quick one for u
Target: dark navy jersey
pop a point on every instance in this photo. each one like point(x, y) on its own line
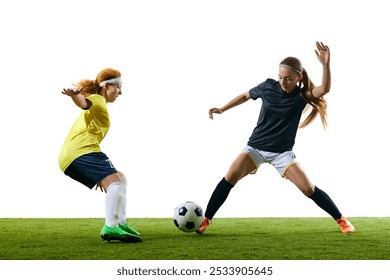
point(279, 117)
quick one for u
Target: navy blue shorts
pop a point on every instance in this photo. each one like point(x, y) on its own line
point(90, 169)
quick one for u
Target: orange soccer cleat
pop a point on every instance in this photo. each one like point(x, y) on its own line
point(205, 224)
point(345, 225)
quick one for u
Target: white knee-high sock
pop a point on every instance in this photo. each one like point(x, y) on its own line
point(122, 214)
point(114, 203)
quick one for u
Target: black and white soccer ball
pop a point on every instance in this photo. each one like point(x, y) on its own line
point(188, 216)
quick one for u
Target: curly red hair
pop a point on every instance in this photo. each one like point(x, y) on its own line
point(89, 87)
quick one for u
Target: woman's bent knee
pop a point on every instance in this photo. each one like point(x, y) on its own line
point(308, 191)
point(108, 180)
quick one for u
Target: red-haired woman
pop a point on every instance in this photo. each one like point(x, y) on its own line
point(82, 159)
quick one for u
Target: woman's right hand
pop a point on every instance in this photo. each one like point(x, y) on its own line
point(214, 111)
point(71, 91)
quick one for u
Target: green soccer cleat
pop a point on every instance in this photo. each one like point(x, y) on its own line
point(115, 233)
point(126, 227)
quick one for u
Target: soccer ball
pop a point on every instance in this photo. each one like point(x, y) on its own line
point(188, 216)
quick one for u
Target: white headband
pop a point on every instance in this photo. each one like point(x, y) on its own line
point(289, 67)
point(111, 81)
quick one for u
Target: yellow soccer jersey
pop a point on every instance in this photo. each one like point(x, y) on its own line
point(86, 133)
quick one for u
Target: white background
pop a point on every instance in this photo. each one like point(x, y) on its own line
point(178, 59)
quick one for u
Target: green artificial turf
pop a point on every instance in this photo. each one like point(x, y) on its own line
point(225, 239)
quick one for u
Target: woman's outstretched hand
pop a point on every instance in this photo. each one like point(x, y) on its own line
point(214, 111)
point(323, 53)
point(70, 91)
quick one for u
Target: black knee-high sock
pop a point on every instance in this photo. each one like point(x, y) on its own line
point(325, 203)
point(218, 197)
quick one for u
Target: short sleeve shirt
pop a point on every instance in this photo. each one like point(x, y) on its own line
point(279, 117)
point(87, 132)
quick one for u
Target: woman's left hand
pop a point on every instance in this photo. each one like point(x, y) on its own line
point(100, 187)
point(323, 53)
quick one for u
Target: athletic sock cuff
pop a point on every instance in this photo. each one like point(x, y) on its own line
point(116, 184)
point(226, 183)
